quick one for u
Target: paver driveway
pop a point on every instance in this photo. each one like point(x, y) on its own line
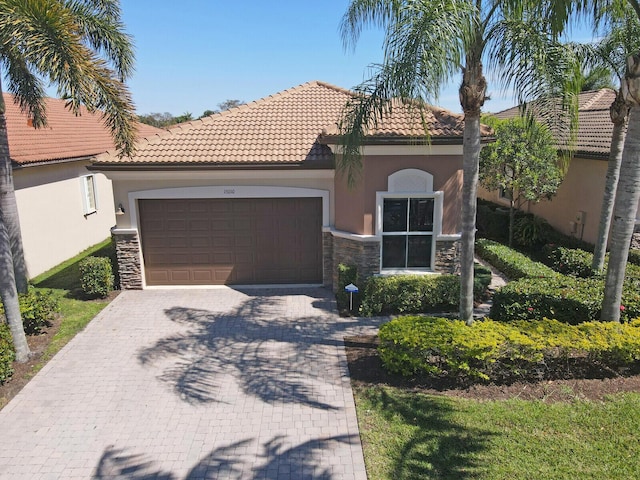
point(189, 384)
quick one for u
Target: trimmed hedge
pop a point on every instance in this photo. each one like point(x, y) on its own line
point(634, 256)
point(568, 261)
point(506, 352)
point(567, 299)
point(96, 276)
point(7, 353)
point(418, 293)
point(513, 264)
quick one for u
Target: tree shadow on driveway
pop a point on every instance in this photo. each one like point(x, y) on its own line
point(277, 462)
point(275, 348)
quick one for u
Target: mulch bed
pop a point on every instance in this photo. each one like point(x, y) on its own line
point(366, 368)
point(23, 372)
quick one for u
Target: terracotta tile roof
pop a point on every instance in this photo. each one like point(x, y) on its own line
point(594, 122)
point(65, 136)
point(284, 128)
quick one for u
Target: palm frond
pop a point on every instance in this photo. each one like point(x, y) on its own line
point(363, 13)
point(423, 46)
point(55, 42)
point(100, 24)
point(26, 87)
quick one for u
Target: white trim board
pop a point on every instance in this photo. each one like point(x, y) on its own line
point(228, 191)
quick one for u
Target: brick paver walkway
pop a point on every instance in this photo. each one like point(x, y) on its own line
point(193, 384)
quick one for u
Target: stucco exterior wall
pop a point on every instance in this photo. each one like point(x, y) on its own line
point(51, 209)
point(581, 191)
point(356, 207)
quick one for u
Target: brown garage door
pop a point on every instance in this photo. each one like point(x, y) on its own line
point(232, 241)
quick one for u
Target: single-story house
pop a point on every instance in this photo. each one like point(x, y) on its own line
point(251, 196)
point(63, 207)
point(575, 209)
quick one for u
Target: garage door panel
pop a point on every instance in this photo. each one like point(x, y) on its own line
point(202, 276)
point(232, 241)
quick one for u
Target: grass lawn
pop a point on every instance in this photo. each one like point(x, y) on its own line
point(410, 435)
point(75, 314)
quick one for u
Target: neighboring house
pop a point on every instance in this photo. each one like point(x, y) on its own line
point(575, 209)
point(63, 207)
point(251, 196)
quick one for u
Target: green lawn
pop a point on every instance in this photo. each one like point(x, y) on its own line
point(408, 435)
point(64, 281)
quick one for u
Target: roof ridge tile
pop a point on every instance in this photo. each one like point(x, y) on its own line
point(598, 95)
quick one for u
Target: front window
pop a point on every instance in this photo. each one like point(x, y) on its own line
point(89, 194)
point(407, 232)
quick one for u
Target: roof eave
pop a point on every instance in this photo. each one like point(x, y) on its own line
point(166, 166)
point(403, 140)
point(56, 161)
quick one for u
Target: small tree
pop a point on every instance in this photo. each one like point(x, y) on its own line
point(523, 162)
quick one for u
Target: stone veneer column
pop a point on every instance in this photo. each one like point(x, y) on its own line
point(128, 254)
point(363, 254)
point(447, 256)
point(327, 259)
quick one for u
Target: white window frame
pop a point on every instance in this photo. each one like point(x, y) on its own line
point(437, 225)
point(88, 205)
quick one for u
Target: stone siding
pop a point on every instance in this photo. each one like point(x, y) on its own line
point(635, 239)
point(128, 254)
point(327, 259)
point(365, 256)
point(447, 256)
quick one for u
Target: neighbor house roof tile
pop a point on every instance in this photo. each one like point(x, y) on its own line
point(66, 135)
point(284, 128)
point(594, 122)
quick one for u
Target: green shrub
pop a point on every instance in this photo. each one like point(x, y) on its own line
point(481, 280)
point(513, 264)
point(37, 308)
point(410, 294)
point(96, 277)
point(634, 256)
point(492, 221)
point(567, 299)
point(569, 261)
point(7, 353)
point(385, 295)
point(505, 352)
point(529, 230)
point(347, 274)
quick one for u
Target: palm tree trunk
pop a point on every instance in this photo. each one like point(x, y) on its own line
point(619, 112)
point(472, 96)
point(9, 206)
point(624, 216)
point(9, 296)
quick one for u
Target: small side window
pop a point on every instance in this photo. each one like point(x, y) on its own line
point(89, 194)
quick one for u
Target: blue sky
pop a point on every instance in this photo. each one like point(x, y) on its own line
point(194, 54)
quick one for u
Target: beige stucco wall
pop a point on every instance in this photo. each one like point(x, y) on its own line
point(356, 206)
point(125, 184)
point(581, 190)
point(51, 209)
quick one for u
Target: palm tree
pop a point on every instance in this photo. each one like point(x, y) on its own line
point(608, 12)
point(427, 43)
point(79, 46)
point(609, 55)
